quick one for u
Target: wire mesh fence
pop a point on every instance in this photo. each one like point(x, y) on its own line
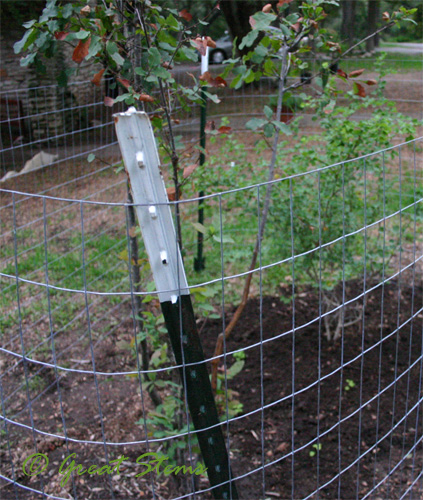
point(319, 387)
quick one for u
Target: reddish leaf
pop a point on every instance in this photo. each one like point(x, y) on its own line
point(267, 8)
point(171, 193)
point(213, 82)
point(200, 45)
point(281, 3)
point(252, 21)
point(386, 16)
point(371, 82)
point(81, 50)
point(146, 98)
point(359, 89)
point(334, 46)
point(356, 73)
point(189, 170)
point(341, 73)
point(108, 101)
point(296, 27)
point(210, 43)
point(167, 65)
point(97, 77)
point(224, 130)
point(126, 83)
point(185, 15)
point(85, 10)
point(60, 35)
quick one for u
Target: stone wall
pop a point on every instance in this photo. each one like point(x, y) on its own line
point(33, 104)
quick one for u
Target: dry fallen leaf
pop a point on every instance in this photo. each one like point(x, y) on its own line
point(283, 447)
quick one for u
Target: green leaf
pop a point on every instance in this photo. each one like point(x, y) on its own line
point(29, 59)
point(111, 48)
point(255, 123)
point(162, 73)
point(117, 58)
point(269, 66)
point(67, 11)
point(285, 30)
point(263, 20)
point(172, 22)
point(212, 97)
point(199, 227)
point(91, 157)
point(268, 112)
point(268, 130)
point(235, 369)
point(249, 39)
point(188, 53)
point(82, 35)
point(29, 24)
point(95, 47)
point(27, 40)
point(283, 127)
point(222, 239)
point(154, 57)
point(249, 76)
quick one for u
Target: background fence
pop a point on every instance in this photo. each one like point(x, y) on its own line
point(304, 416)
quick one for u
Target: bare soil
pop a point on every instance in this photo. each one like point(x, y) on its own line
point(362, 434)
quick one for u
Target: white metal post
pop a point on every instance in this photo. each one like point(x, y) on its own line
point(140, 156)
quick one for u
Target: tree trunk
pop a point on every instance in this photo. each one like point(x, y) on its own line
point(372, 19)
point(348, 19)
point(237, 14)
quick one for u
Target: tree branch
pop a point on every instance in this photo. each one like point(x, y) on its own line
point(263, 219)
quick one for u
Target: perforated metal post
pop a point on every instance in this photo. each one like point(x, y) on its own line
point(139, 152)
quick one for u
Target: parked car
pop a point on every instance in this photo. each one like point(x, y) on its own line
point(222, 51)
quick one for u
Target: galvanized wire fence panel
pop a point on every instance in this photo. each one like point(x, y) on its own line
point(319, 387)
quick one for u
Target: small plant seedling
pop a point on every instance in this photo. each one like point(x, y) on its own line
point(350, 384)
point(317, 447)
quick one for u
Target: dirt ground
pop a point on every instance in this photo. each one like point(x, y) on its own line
point(350, 395)
point(385, 382)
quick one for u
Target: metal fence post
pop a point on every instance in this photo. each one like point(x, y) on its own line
point(199, 261)
point(140, 156)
